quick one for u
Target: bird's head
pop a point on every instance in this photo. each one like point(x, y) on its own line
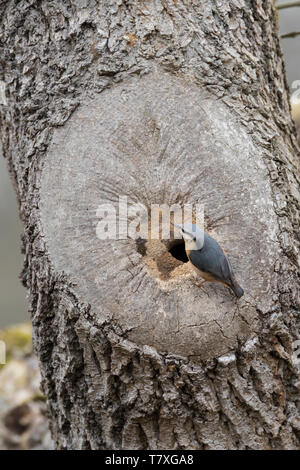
point(193, 236)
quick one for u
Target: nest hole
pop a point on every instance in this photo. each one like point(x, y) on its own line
point(162, 257)
point(178, 252)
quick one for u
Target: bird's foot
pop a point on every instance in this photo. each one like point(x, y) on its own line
point(199, 284)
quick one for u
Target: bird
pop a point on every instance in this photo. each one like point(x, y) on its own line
point(207, 257)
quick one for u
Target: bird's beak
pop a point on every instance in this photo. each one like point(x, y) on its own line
point(176, 225)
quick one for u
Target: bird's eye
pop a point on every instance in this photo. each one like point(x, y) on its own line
point(183, 230)
point(194, 239)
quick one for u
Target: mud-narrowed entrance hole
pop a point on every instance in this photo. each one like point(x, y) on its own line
point(162, 256)
point(178, 251)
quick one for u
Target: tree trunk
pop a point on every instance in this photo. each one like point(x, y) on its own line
point(177, 102)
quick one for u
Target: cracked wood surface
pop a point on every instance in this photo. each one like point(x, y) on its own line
point(107, 388)
point(160, 140)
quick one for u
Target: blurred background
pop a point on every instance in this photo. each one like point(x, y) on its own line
point(289, 21)
point(13, 307)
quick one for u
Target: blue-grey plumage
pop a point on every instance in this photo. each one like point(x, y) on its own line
point(208, 258)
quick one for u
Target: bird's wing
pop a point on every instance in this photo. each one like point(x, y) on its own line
point(213, 262)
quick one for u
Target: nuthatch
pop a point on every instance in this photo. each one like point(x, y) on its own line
point(208, 258)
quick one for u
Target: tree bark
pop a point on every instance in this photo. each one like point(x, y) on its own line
point(163, 101)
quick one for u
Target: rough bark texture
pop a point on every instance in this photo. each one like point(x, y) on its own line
point(109, 381)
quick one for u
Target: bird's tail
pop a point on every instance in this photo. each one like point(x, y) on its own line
point(236, 288)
